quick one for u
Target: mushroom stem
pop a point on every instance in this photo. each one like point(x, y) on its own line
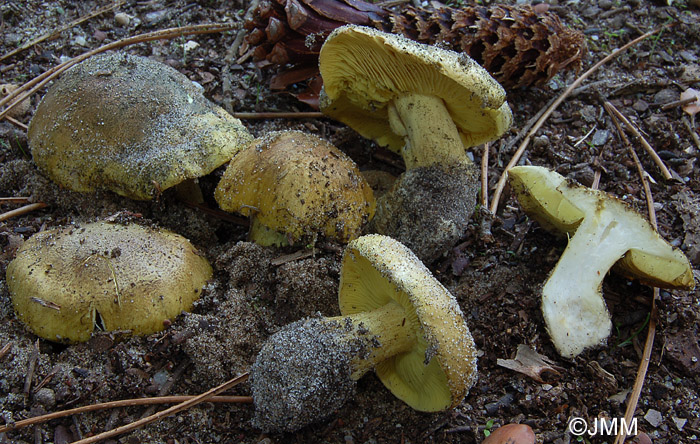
point(383, 332)
point(263, 235)
point(572, 304)
point(310, 368)
point(430, 133)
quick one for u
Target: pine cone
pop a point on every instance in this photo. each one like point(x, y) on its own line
point(516, 44)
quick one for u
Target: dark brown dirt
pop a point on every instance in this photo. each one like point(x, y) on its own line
point(496, 279)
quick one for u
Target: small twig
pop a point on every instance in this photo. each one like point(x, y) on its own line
point(242, 221)
point(280, 115)
point(297, 255)
point(233, 49)
point(31, 368)
point(121, 403)
point(640, 169)
point(633, 129)
point(459, 429)
point(582, 139)
point(18, 200)
point(485, 176)
point(59, 30)
point(521, 149)
point(168, 385)
point(651, 332)
point(29, 88)
point(17, 123)
point(691, 130)
point(231, 53)
point(5, 349)
point(676, 103)
point(204, 397)
point(22, 210)
point(46, 380)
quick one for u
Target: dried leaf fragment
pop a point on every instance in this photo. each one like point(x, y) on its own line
point(691, 108)
point(532, 364)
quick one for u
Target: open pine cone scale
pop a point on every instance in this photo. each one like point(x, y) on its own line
point(516, 44)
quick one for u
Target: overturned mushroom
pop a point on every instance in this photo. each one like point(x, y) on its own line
point(68, 282)
point(604, 232)
point(429, 105)
point(296, 185)
point(131, 125)
point(396, 318)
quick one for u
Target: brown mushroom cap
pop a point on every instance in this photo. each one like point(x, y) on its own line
point(67, 282)
point(298, 184)
point(131, 125)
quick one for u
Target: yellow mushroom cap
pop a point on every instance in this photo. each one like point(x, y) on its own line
point(298, 184)
point(561, 206)
point(364, 69)
point(131, 125)
point(67, 282)
point(603, 232)
point(441, 368)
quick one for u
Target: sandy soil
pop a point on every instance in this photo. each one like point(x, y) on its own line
point(255, 290)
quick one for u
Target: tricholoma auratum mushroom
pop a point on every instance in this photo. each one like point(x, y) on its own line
point(396, 319)
point(295, 185)
point(429, 105)
point(68, 282)
point(604, 233)
point(131, 125)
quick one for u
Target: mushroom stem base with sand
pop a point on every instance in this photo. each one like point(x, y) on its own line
point(437, 193)
point(436, 199)
point(397, 318)
point(430, 133)
point(308, 369)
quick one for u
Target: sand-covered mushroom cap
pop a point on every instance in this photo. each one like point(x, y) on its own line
point(388, 87)
point(397, 319)
point(604, 232)
point(131, 125)
point(299, 185)
point(68, 282)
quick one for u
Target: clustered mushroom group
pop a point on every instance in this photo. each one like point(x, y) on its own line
point(136, 127)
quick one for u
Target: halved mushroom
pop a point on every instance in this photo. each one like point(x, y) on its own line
point(68, 282)
point(131, 125)
point(603, 232)
point(296, 185)
point(429, 105)
point(396, 318)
